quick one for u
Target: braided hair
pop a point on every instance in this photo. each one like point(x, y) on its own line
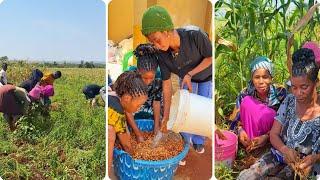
point(147, 56)
point(130, 82)
point(304, 64)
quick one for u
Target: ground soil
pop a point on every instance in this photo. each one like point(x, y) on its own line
point(198, 166)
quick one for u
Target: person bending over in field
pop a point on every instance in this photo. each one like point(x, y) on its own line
point(130, 94)
point(256, 106)
point(147, 67)
point(14, 103)
point(42, 94)
point(91, 91)
point(49, 78)
point(30, 83)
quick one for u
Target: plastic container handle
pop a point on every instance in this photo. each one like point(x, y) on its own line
point(125, 60)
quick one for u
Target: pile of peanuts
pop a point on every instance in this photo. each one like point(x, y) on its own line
point(166, 149)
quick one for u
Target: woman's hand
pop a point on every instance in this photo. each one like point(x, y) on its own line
point(125, 141)
point(156, 129)
point(156, 116)
point(290, 155)
point(243, 137)
point(307, 163)
point(259, 141)
point(220, 135)
point(163, 127)
point(187, 81)
point(139, 137)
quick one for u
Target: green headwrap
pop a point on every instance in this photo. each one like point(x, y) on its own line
point(154, 19)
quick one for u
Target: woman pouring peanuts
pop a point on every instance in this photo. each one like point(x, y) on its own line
point(186, 52)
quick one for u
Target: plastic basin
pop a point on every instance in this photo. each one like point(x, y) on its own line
point(128, 168)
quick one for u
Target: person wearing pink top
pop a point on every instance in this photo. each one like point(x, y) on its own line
point(256, 106)
point(42, 93)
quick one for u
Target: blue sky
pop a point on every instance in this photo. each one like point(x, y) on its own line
point(53, 30)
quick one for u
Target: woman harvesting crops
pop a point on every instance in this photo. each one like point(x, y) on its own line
point(42, 93)
point(295, 133)
point(256, 105)
point(91, 91)
point(30, 83)
point(49, 78)
point(14, 102)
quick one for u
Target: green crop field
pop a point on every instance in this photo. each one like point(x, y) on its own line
point(68, 144)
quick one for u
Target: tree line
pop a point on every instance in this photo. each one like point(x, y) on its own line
point(53, 64)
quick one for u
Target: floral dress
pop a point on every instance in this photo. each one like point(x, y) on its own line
point(303, 136)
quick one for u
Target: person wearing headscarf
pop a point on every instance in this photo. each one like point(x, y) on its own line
point(256, 105)
point(186, 52)
point(48, 78)
point(30, 83)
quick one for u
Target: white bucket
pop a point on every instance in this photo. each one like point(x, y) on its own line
point(191, 113)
